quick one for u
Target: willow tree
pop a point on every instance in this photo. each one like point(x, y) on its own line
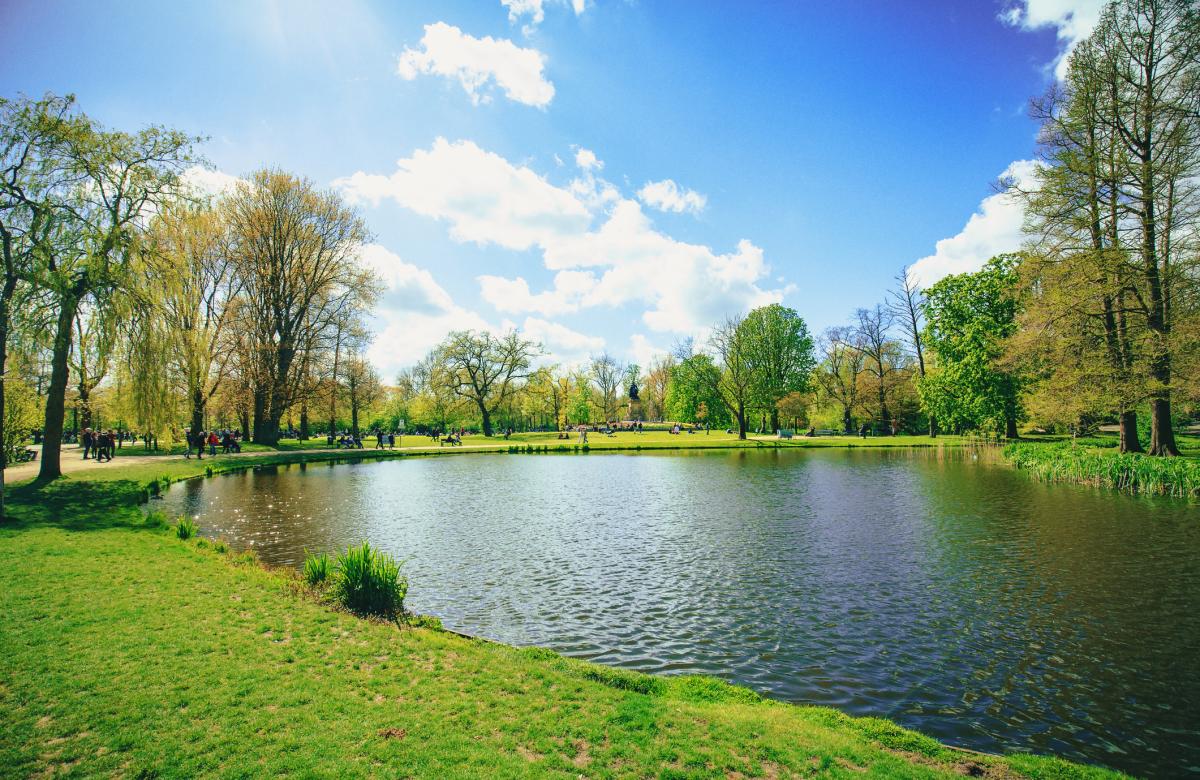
point(484, 369)
point(101, 187)
point(189, 277)
point(296, 251)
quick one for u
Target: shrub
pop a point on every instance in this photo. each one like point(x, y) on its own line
point(186, 528)
point(316, 568)
point(369, 582)
point(157, 519)
point(221, 546)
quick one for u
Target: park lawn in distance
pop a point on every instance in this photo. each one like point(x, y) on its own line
point(127, 651)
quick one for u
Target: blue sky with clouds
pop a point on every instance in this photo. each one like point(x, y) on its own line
point(600, 173)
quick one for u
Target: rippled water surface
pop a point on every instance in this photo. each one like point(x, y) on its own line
point(958, 598)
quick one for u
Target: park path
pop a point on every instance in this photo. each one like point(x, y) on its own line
point(72, 458)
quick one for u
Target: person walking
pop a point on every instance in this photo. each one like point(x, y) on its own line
point(213, 441)
point(87, 440)
point(199, 442)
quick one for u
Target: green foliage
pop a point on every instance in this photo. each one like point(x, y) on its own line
point(624, 680)
point(1135, 473)
point(185, 528)
point(779, 354)
point(317, 568)
point(21, 410)
point(157, 519)
point(969, 317)
point(369, 582)
point(692, 392)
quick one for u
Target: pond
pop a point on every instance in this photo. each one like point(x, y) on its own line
point(953, 595)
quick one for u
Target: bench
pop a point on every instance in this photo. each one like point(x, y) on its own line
point(786, 433)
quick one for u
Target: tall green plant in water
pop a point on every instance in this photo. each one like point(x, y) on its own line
point(369, 582)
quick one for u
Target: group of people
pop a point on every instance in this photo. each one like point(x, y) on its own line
point(199, 440)
point(383, 440)
point(98, 445)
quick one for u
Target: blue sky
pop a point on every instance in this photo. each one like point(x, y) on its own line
point(600, 174)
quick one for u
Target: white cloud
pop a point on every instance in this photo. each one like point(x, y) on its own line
point(207, 182)
point(587, 161)
point(1074, 20)
point(513, 295)
point(484, 197)
point(666, 195)
point(447, 51)
point(644, 353)
point(683, 288)
point(535, 10)
point(414, 312)
point(994, 229)
point(562, 345)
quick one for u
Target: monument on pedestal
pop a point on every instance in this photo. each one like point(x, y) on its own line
point(635, 405)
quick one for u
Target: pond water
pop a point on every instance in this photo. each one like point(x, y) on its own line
point(955, 596)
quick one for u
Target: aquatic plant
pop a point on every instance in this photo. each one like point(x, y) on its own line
point(1130, 472)
point(185, 528)
point(317, 568)
point(369, 582)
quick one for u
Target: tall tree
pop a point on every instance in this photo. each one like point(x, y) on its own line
point(731, 343)
point(607, 373)
point(485, 369)
point(779, 355)
point(839, 369)
point(872, 337)
point(970, 316)
point(362, 387)
point(296, 251)
point(907, 302)
point(105, 183)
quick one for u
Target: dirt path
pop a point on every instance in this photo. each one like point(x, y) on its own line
point(72, 458)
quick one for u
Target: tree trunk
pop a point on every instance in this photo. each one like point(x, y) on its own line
point(847, 420)
point(1162, 436)
point(774, 419)
point(56, 393)
point(10, 286)
point(304, 432)
point(933, 430)
point(260, 412)
point(354, 418)
point(1129, 433)
point(197, 409)
point(1010, 428)
point(741, 421)
point(245, 422)
point(487, 420)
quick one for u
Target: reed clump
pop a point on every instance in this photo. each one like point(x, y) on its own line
point(1178, 477)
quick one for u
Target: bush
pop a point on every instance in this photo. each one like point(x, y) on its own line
point(186, 528)
point(220, 546)
point(316, 568)
point(369, 582)
point(157, 519)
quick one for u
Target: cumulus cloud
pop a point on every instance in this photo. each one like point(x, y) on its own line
point(562, 345)
point(535, 11)
point(586, 160)
point(666, 195)
point(994, 229)
point(206, 182)
point(604, 249)
point(643, 352)
point(478, 63)
point(414, 312)
point(485, 198)
point(1073, 20)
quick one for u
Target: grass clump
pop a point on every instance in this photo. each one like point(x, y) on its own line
point(317, 569)
point(186, 528)
point(1179, 477)
point(369, 582)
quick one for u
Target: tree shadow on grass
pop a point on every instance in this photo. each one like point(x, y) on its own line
point(75, 505)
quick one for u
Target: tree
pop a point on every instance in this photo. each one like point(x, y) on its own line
point(362, 387)
point(295, 250)
point(779, 356)
point(654, 390)
point(838, 372)
point(907, 306)
point(970, 316)
point(794, 408)
point(731, 341)
point(102, 184)
point(190, 269)
point(692, 394)
point(485, 369)
point(871, 337)
point(607, 373)
point(31, 135)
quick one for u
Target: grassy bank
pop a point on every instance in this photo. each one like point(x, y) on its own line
point(1104, 467)
point(127, 651)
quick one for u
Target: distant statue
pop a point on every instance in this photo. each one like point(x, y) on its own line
point(633, 391)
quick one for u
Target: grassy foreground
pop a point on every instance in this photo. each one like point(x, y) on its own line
point(126, 651)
